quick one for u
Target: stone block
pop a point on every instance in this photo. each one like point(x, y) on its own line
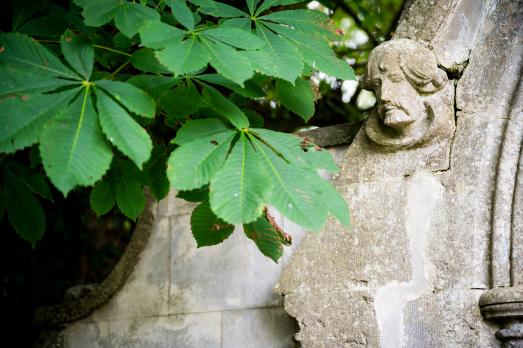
point(364, 162)
point(373, 252)
point(339, 319)
point(173, 206)
point(455, 38)
point(187, 331)
point(489, 81)
point(447, 319)
point(414, 24)
point(146, 291)
point(258, 328)
point(469, 184)
point(231, 275)
point(86, 335)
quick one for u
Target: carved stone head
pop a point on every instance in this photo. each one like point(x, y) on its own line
point(412, 98)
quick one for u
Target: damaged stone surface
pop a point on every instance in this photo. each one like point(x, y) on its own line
point(182, 296)
point(422, 246)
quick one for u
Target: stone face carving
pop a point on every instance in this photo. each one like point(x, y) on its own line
point(412, 94)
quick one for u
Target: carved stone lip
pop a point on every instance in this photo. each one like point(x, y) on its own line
point(395, 117)
point(501, 303)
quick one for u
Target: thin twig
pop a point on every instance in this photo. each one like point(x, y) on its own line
point(117, 70)
point(113, 50)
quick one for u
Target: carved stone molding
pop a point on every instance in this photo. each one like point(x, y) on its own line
point(504, 302)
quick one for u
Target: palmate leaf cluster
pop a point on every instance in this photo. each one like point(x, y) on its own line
point(191, 68)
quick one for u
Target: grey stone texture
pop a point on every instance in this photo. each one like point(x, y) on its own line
point(414, 97)
point(182, 296)
point(435, 224)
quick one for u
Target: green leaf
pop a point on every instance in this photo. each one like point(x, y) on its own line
point(196, 195)
point(182, 13)
point(207, 228)
point(296, 17)
point(205, 4)
point(291, 192)
point(153, 85)
point(131, 97)
point(225, 107)
point(265, 5)
point(317, 53)
point(74, 150)
point(238, 190)
point(184, 57)
point(250, 90)
point(78, 52)
point(192, 165)
point(321, 160)
point(130, 16)
point(289, 146)
point(298, 98)
point(21, 80)
point(240, 23)
point(181, 102)
point(36, 183)
point(52, 26)
point(122, 42)
point(25, 53)
point(277, 58)
point(156, 169)
point(255, 119)
point(314, 28)
point(23, 10)
point(123, 131)
point(145, 60)
point(224, 11)
point(251, 4)
point(266, 238)
point(336, 204)
point(235, 37)
point(23, 210)
point(195, 129)
point(130, 197)
point(23, 118)
point(102, 198)
point(229, 62)
point(98, 12)
point(270, 3)
point(156, 34)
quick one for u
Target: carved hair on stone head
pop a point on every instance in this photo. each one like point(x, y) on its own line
point(417, 63)
point(413, 96)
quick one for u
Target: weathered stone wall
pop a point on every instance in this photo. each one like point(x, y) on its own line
point(418, 257)
point(181, 296)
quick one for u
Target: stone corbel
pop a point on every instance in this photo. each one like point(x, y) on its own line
point(413, 96)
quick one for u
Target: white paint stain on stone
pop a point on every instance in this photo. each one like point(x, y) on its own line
point(423, 193)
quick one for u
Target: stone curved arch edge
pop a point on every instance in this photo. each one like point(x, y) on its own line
point(82, 307)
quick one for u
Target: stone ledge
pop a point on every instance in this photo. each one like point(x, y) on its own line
point(339, 134)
